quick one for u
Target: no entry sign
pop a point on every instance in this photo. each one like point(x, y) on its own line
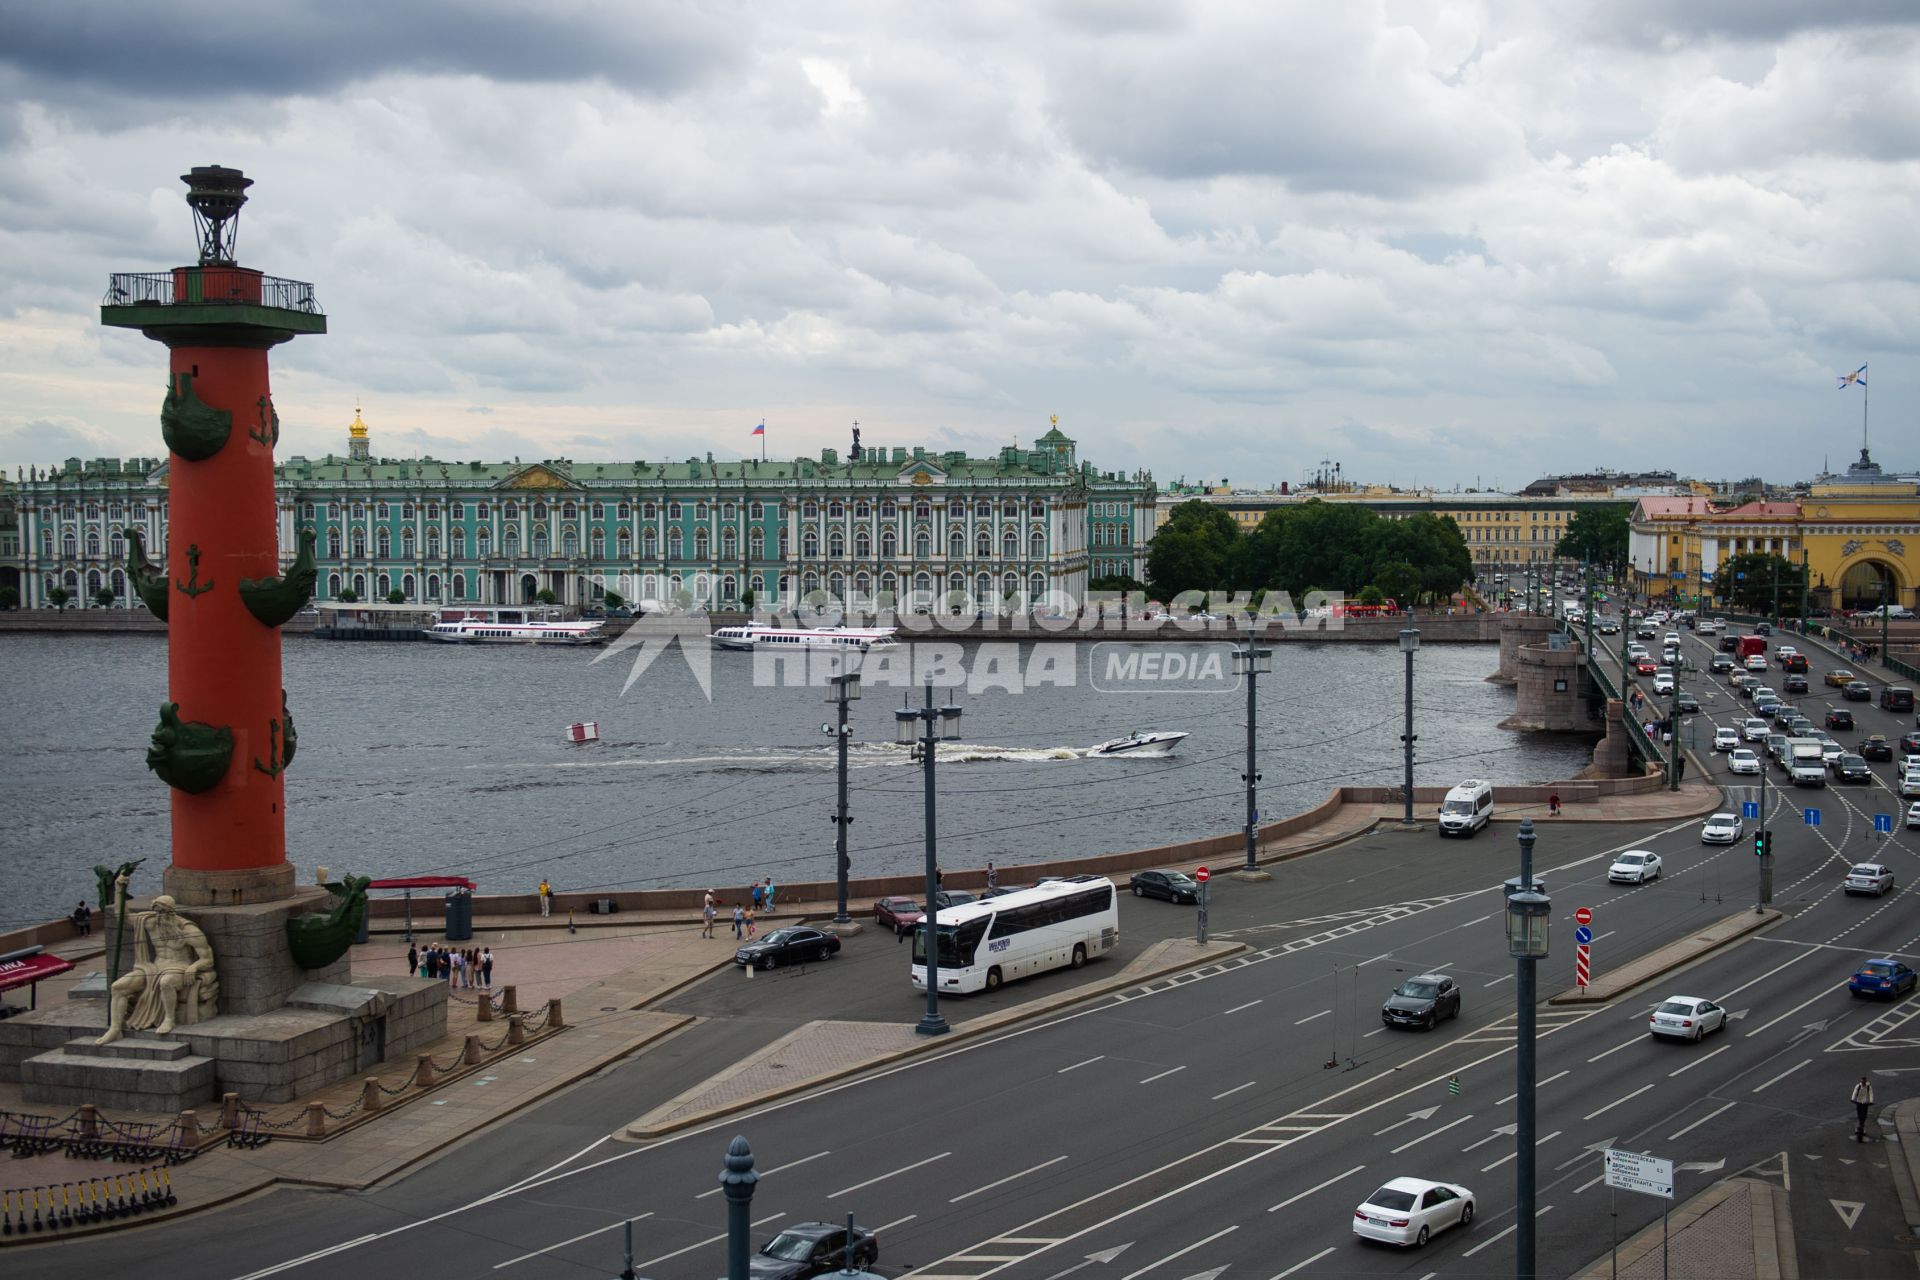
point(1583, 916)
point(1201, 875)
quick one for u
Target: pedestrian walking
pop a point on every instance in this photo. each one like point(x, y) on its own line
point(1862, 1103)
point(739, 921)
point(769, 896)
point(1553, 804)
point(546, 897)
point(486, 967)
point(993, 877)
point(570, 928)
point(759, 894)
point(413, 959)
point(706, 916)
point(750, 922)
point(83, 918)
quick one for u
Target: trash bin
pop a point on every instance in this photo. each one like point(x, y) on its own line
point(366, 924)
point(459, 915)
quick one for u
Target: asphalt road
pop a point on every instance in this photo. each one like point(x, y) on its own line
point(1228, 1119)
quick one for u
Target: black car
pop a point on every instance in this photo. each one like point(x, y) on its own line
point(1839, 718)
point(1857, 691)
point(1174, 886)
point(787, 946)
point(1795, 684)
point(1876, 747)
point(1729, 643)
point(1762, 629)
point(1910, 744)
point(944, 898)
point(1851, 769)
point(1422, 1001)
point(1685, 702)
point(1721, 664)
point(810, 1249)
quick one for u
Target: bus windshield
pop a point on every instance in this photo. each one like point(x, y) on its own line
point(957, 943)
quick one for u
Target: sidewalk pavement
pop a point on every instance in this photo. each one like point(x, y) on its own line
point(1738, 1229)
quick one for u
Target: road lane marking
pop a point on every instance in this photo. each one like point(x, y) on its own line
point(1431, 1133)
point(1237, 1008)
point(1163, 1075)
point(1181, 1252)
point(1541, 1085)
point(1076, 1066)
point(1371, 1034)
point(1491, 1240)
point(1237, 1088)
point(858, 1186)
point(1310, 1017)
point(1616, 1102)
point(1516, 1152)
point(1598, 1177)
point(1505, 977)
point(791, 1164)
point(1697, 1123)
point(290, 1264)
point(1322, 1186)
point(968, 1195)
point(584, 1235)
point(1763, 977)
point(1617, 1048)
point(700, 1244)
point(1818, 995)
point(897, 1222)
point(1301, 1266)
point(1783, 1075)
point(1697, 1061)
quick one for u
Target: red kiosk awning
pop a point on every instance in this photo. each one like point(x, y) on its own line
point(426, 882)
point(30, 969)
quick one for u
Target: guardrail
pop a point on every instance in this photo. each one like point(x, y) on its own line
point(209, 286)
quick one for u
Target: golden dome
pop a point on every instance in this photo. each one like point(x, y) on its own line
point(358, 429)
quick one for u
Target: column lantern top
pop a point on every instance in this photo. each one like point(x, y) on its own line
point(215, 193)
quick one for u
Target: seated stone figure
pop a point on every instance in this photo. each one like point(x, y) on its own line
point(173, 978)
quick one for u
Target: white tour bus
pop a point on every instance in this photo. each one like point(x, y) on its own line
point(985, 943)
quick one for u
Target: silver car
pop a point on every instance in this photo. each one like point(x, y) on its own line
point(1406, 1211)
point(1721, 828)
point(1637, 866)
point(1868, 877)
point(1686, 1018)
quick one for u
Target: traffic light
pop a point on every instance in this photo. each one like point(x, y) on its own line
point(1760, 839)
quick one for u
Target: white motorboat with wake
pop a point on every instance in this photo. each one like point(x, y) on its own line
point(1141, 742)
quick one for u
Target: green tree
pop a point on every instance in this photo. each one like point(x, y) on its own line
point(746, 599)
point(1597, 535)
point(545, 596)
point(1395, 580)
point(58, 597)
point(1116, 582)
point(1197, 549)
point(614, 599)
point(1371, 594)
point(396, 596)
point(349, 596)
point(1747, 582)
point(1330, 543)
point(9, 598)
point(104, 597)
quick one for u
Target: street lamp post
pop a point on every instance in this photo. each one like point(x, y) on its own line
point(937, 723)
point(1252, 662)
point(1527, 914)
point(846, 688)
point(1409, 642)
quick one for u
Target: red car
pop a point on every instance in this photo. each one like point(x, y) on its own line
point(898, 914)
point(1645, 667)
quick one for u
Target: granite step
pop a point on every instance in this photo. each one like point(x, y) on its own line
point(147, 1048)
point(79, 1072)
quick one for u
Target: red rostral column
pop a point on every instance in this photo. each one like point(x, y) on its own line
point(225, 736)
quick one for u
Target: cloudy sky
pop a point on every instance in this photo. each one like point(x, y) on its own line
point(1438, 242)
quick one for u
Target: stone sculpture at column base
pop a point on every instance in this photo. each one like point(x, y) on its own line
point(173, 979)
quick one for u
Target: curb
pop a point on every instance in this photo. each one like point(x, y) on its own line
point(1906, 1167)
point(1637, 973)
point(1145, 968)
point(1775, 1256)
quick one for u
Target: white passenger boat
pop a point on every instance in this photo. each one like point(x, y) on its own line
point(1139, 742)
point(527, 624)
point(755, 635)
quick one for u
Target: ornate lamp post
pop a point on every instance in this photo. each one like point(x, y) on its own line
point(1252, 663)
point(1409, 643)
point(925, 726)
point(846, 688)
point(1527, 915)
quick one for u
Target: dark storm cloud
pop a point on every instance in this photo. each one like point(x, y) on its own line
point(1654, 21)
point(191, 48)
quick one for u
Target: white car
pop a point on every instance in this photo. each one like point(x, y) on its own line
point(1663, 682)
point(1686, 1018)
point(1725, 739)
point(1913, 815)
point(1636, 866)
point(1721, 828)
point(1868, 877)
point(1406, 1211)
point(1754, 729)
point(1743, 760)
point(1756, 662)
point(1672, 638)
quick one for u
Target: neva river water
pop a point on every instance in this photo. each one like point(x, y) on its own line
point(418, 759)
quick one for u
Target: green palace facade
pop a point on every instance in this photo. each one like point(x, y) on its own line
point(899, 524)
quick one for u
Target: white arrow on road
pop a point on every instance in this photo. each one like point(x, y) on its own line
point(1849, 1211)
point(1425, 1114)
point(1502, 1131)
point(1207, 1275)
point(1705, 1166)
point(1811, 1029)
point(1592, 1149)
point(1105, 1255)
point(1738, 1014)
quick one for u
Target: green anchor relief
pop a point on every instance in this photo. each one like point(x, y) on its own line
point(289, 737)
point(187, 755)
point(272, 600)
point(193, 586)
point(192, 428)
point(149, 580)
point(276, 764)
point(268, 432)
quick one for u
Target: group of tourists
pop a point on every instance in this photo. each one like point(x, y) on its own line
point(461, 968)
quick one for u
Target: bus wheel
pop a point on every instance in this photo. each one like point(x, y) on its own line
point(1079, 955)
point(993, 978)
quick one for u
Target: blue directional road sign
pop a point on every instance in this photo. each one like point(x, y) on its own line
point(1812, 817)
point(1583, 935)
point(1749, 808)
point(1883, 823)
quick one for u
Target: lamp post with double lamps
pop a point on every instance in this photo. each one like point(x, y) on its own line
point(1527, 915)
point(926, 726)
point(1409, 643)
point(1252, 662)
point(846, 688)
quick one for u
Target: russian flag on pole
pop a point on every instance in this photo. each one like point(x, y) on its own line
point(761, 429)
point(1841, 381)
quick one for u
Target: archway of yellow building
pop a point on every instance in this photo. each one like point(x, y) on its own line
point(1869, 581)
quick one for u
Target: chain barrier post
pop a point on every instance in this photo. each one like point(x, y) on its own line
point(423, 1071)
point(555, 1020)
point(516, 1028)
point(316, 1120)
point(370, 1094)
point(510, 999)
point(188, 1134)
point(229, 1111)
point(470, 1055)
point(483, 1009)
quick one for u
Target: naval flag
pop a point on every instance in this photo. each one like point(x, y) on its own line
point(1841, 381)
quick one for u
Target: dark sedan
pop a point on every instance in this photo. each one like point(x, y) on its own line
point(1857, 691)
point(1422, 1001)
point(897, 914)
point(811, 1249)
point(787, 946)
point(1684, 702)
point(1850, 768)
point(1876, 747)
point(1839, 718)
point(1174, 886)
